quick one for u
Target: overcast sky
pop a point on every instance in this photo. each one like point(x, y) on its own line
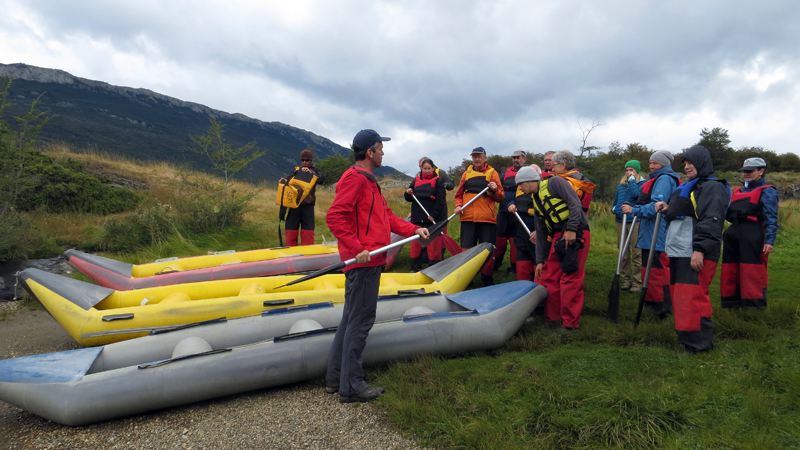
point(442, 77)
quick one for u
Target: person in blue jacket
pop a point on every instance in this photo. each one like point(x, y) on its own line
point(663, 180)
point(628, 191)
point(747, 243)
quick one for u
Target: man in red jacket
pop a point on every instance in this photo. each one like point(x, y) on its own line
point(361, 221)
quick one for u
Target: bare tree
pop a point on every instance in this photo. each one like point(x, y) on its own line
point(585, 132)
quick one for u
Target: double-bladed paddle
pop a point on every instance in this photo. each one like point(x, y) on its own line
point(451, 245)
point(433, 231)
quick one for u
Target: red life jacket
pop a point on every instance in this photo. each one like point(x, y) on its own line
point(646, 195)
point(425, 187)
point(509, 180)
point(744, 205)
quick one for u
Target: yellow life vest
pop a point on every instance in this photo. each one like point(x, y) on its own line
point(554, 211)
point(291, 194)
point(476, 181)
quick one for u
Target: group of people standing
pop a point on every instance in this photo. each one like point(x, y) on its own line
point(543, 214)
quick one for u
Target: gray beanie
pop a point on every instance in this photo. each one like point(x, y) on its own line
point(662, 157)
point(527, 174)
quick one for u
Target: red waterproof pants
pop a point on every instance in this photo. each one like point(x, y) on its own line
point(744, 278)
point(691, 303)
point(565, 290)
point(657, 296)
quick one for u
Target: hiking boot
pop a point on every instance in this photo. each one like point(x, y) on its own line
point(364, 396)
point(626, 287)
point(635, 290)
point(487, 280)
point(332, 389)
point(512, 270)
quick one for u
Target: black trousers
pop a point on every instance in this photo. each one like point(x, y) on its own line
point(302, 216)
point(473, 233)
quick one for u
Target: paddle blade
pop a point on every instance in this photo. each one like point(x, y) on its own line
point(338, 266)
point(613, 300)
point(641, 306)
point(451, 245)
point(434, 231)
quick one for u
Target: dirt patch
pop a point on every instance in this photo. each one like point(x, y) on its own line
point(114, 179)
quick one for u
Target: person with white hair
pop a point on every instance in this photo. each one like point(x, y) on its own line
point(561, 267)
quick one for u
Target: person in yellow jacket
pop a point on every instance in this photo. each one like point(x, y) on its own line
point(479, 220)
point(303, 215)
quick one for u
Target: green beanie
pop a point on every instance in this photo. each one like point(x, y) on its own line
point(634, 164)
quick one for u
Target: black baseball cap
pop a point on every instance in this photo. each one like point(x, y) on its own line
point(367, 138)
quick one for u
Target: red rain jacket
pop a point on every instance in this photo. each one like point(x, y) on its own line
point(360, 218)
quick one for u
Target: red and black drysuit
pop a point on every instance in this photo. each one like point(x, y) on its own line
point(662, 183)
point(695, 216)
point(303, 215)
point(526, 250)
point(506, 222)
point(753, 214)
point(360, 220)
point(431, 193)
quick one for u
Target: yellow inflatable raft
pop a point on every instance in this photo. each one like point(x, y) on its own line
point(95, 315)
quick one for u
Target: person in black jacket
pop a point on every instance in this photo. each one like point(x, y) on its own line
point(695, 214)
point(429, 189)
point(303, 215)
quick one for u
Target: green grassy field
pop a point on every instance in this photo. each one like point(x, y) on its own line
point(607, 386)
point(610, 386)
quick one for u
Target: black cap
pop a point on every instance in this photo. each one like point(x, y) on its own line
point(367, 138)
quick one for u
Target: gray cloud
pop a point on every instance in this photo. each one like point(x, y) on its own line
point(456, 72)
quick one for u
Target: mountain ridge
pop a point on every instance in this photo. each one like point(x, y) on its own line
point(144, 124)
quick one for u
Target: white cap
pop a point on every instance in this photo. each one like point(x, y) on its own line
point(527, 174)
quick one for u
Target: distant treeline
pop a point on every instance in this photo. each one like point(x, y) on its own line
point(606, 169)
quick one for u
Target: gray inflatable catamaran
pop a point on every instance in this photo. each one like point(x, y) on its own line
point(211, 360)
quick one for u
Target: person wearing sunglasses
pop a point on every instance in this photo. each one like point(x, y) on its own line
point(747, 243)
point(303, 215)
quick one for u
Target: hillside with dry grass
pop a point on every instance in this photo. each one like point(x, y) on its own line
point(159, 182)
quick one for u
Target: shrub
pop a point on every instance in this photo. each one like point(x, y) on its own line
point(151, 225)
point(334, 166)
point(20, 239)
point(207, 206)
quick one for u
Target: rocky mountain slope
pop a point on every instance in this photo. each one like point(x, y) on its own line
point(146, 125)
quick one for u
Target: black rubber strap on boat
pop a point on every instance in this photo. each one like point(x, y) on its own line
point(277, 248)
point(303, 334)
point(189, 325)
point(118, 317)
point(408, 293)
point(288, 301)
point(168, 361)
point(411, 292)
